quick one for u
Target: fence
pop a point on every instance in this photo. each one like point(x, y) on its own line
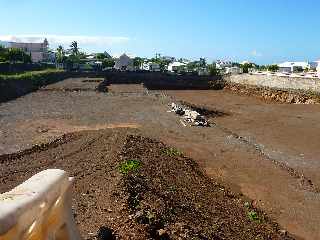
point(39, 209)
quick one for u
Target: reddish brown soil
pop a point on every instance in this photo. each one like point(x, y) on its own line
point(279, 138)
point(268, 152)
point(167, 197)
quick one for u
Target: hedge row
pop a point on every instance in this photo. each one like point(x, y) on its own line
point(6, 67)
point(13, 86)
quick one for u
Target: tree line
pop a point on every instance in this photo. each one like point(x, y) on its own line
point(14, 55)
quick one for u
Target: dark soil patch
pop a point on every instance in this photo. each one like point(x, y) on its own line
point(164, 196)
point(209, 113)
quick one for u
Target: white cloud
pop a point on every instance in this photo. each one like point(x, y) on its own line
point(256, 54)
point(65, 40)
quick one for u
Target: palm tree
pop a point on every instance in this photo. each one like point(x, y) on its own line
point(74, 48)
point(60, 54)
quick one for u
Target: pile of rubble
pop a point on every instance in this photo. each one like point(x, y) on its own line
point(189, 115)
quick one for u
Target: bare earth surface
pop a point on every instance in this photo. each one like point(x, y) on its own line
point(258, 149)
point(167, 197)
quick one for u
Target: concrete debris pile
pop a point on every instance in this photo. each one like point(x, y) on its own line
point(189, 115)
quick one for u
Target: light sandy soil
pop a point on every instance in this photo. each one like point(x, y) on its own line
point(258, 149)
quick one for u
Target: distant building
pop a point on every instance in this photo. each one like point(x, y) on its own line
point(245, 62)
point(150, 66)
point(223, 64)
point(145, 66)
point(318, 68)
point(154, 67)
point(168, 58)
point(51, 58)
point(37, 51)
point(233, 70)
point(314, 65)
point(124, 63)
point(290, 67)
point(107, 55)
point(173, 67)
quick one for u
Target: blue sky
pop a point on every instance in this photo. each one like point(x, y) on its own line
point(257, 30)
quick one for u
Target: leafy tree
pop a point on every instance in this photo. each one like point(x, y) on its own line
point(213, 71)
point(192, 66)
point(26, 58)
point(60, 54)
point(137, 61)
point(82, 55)
point(18, 55)
point(163, 63)
point(262, 67)
point(273, 68)
point(246, 66)
point(202, 62)
point(100, 56)
point(298, 69)
point(75, 55)
point(108, 62)
point(3, 53)
point(73, 59)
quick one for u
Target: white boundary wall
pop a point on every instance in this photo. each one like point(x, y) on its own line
point(306, 84)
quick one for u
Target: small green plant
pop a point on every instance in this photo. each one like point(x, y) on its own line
point(253, 216)
point(129, 165)
point(171, 152)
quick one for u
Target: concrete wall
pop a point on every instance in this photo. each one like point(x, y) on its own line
point(306, 84)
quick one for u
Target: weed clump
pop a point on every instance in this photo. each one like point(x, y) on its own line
point(253, 216)
point(129, 166)
point(171, 152)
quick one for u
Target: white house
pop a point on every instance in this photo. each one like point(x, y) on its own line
point(318, 69)
point(145, 66)
point(154, 67)
point(234, 70)
point(172, 67)
point(124, 62)
point(150, 66)
point(291, 67)
point(223, 64)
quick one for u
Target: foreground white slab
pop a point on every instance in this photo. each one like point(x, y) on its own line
point(39, 208)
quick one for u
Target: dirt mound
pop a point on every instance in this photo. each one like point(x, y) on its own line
point(131, 187)
point(171, 196)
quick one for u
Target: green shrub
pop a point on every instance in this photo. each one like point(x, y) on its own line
point(171, 152)
point(129, 166)
point(37, 78)
point(253, 216)
point(29, 75)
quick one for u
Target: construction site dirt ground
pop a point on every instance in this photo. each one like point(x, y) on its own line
point(266, 151)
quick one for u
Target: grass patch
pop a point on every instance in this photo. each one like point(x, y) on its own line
point(253, 216)
point(171, 152)
point(29, 74)
point(129, 166)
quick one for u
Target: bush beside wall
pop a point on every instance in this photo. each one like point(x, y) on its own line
point(13, 86)
point(6, 67)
